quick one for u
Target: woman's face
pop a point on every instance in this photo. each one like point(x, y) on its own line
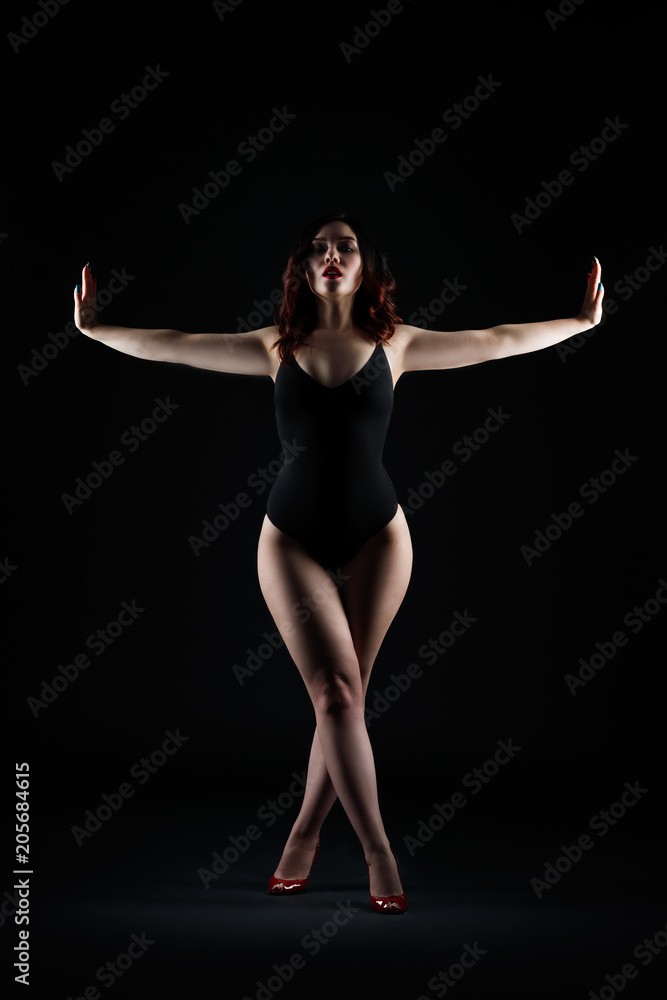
point(334, 266)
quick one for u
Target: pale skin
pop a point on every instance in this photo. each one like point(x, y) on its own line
point(336, 648)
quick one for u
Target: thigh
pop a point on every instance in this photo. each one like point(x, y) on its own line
point(306, 605)
point(377, 579)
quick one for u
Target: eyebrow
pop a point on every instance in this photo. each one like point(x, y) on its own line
point(343, 239)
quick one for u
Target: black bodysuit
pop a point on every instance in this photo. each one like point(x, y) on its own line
point(333, 493)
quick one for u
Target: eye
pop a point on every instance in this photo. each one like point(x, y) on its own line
point(320, 248)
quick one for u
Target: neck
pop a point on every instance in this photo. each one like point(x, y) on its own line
point(335, 315)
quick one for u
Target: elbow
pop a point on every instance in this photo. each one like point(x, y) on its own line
point(506, 343)
point(497, 344)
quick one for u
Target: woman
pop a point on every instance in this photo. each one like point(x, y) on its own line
point(335, 356)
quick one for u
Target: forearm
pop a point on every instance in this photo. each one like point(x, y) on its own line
point(151, 345)
point(521, 338)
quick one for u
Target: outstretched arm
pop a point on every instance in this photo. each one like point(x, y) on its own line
point(241, 353)
point(521, 338)
point(427, 349)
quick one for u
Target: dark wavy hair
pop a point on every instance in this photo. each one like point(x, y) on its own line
point(373, 310)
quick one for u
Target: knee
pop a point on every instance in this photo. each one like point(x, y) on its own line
point(338, 695)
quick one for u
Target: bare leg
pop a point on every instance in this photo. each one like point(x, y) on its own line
point(319, 797)
point(378, 577)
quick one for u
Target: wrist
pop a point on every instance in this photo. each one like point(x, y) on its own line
point(89, 329)
point(583, 322)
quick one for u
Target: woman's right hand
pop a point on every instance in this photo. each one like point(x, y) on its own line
point(85, 302)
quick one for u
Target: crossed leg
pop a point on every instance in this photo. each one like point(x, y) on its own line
point(334, 652)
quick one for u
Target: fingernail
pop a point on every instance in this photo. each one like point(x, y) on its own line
point(76, 289)
point(599, 286)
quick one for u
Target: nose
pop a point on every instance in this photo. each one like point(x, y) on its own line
point(332, 255)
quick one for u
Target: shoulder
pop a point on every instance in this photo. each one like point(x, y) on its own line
point(400, 340)
point(396, 347)
point(267, 334)
point(403, 334)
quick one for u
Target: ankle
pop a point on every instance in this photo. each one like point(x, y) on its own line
point(378, 851)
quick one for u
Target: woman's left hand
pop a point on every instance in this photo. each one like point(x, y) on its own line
point(591, 310)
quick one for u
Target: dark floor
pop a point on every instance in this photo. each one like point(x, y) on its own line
point(468, 891)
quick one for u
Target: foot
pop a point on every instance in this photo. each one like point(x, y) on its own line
point(297, 858)
point(383, 872)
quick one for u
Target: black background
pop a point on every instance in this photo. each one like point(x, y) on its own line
point(129, 540)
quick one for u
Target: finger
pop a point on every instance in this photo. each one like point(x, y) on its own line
point(597, 270)
point(594, 280)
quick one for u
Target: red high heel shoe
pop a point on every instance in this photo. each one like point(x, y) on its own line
point(289, 886)
point(388, 904)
